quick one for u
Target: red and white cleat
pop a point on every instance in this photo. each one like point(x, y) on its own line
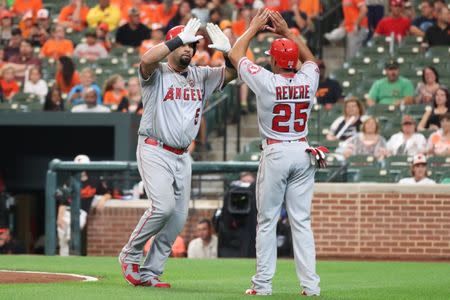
point(155, 282)
point(303, 293)
point(131, 273)
point(256, 293)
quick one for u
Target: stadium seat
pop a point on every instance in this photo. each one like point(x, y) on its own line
point(253, 146)
point(361, 160)
point(248, 156)
point(438, 51)
point(415, 110)
point(25, 98)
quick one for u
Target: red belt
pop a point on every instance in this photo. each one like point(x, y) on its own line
point(272, 141)
point(153, 142)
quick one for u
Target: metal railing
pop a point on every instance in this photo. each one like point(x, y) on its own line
point(56, 166)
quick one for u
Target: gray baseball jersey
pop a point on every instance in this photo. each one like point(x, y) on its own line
point(173, 103)
point(285, 172)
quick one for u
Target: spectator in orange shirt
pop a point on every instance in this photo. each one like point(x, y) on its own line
point(178, 247)
point(166, 11)
point(8, 84)
point(66, 75)
point(26, 24)
point(278, 5)
point(201, 57)
point(312, 8)
point(356, 25)
point(20, 7)
point(141, 6)
point(74, 15)
point(6, 23)
point(114, 90)
point(57, 45)
point(242, 23)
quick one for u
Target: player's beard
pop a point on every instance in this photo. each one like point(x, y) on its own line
point(184, 61)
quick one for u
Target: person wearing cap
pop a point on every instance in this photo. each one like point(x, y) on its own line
point(439, 34)
point(6, 27)
point(355, 23)
point(329, 91)
point(420, 24)
point(396, 23)
point(407, 141)
point(133, 33)
point(393, 89)
point(418, 172)
point(26, 24)
point(91, 49)
point(90, 105)
point(57, 45)
point(74, 15)
point(103, 12)
point(439, 141)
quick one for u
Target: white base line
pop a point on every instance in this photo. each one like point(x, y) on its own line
point(84, 277)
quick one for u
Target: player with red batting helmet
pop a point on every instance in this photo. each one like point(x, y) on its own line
point(286, 171)
point(173, 96)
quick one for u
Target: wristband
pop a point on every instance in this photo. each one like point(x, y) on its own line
point(174, 43)
point(228, 63)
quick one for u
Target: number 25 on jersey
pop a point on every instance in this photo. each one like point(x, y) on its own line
point(283, 112)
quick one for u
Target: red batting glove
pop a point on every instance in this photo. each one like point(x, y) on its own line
point(318, 153)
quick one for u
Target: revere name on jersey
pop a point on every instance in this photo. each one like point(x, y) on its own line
point(284, 102)
point(173, 103)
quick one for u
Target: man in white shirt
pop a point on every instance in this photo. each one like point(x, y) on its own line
point(205, 246)
point(418, 171)
point(90, 103)
point(407, 141)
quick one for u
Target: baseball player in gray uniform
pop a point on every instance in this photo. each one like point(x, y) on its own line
point(174, 94)
point(286, 170)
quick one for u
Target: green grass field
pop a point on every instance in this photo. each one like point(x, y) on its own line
point(228, 278)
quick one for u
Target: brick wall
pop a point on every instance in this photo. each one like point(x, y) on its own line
point(367, 221)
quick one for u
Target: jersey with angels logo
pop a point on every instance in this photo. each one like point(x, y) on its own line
point(173, 102)
point(284, 102)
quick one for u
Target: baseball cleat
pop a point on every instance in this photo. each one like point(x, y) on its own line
point(256, 293)
point(155, 282)
point(304, 293)
point(131, 273)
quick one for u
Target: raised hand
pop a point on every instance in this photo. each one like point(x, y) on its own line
point(188, 35)
point(279, 24)
point(219, 39)
point(260, 20)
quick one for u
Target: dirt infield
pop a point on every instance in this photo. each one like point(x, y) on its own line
point(8, 277)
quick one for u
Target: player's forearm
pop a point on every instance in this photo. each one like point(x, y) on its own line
point(155, 54)
point(304, 54)
point(240, 47)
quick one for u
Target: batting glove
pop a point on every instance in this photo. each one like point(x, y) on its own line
point(318, 155)
point(219, 39)
point(188, 36)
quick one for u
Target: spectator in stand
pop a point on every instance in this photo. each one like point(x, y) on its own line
point(182, 16)
point(312, 8)
point(201, 57)
point(347, 126)
point(201, 11)
point(6, 23)
point(409, 10)
point(355, 22)
point(74, 15)
point(54, 100)
point(441, 106)
point(57, 45)
point(66, 75)
point(133, 102)
point(205, 245)
point(421, 24)
point(296, 18)
point(215, 16)
point(165, 12)
point(141, 6)
point(90, 105)
point(103, 12)
point(134, 32)
point(103, 36)
point(8, 244)
point(367, 142)
point(2, 58)
point(418, 172)
point(178, 247)
point(276, 5)
point(87, 80)
point(427, 88)
point(241, 24)
point(407, 141)
point(375, 12)
point(439, 34)
point(437, 5)
point(14, 43)
point(393, 89)
point(34, 84)
point(43, 20)
point(26, 24)
point(395, 23)
point(24, 60)
point(8, 83)
point(439, 141)
point(114, 90)
point(20, 7)
point(157, 36)
point(90, 50)
point(329, 91)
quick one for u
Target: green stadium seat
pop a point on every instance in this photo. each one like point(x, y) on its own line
point(249, 156)
point(439, 161)
point(253, 146)
point(361, 160)
point(25, 98)
point(322, 175)
point(415, 110)
point(439, 51)
point(383, 110)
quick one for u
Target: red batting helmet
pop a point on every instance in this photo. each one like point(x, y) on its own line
point(173, 32)
point(285, 53)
